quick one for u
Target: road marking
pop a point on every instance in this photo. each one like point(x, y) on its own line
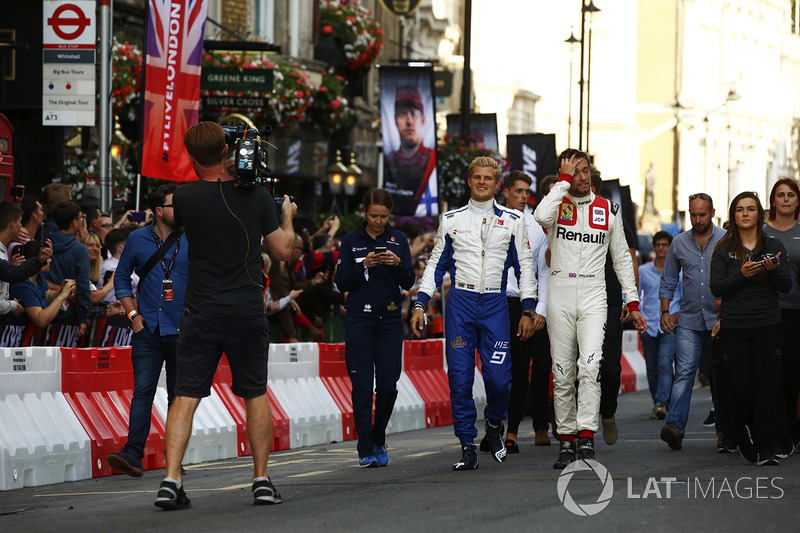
point(95, 493)
point(421, 454)
point(317, 473)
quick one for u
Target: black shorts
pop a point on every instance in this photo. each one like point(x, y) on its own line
point(202, 341)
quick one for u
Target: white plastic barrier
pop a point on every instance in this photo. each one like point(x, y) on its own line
point(635, 357)
point(41, 439)
point(409, 409)
point(314, 417)
point(213, 429)
point(41, 442)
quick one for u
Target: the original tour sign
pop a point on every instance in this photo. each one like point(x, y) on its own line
point(401, 7)
point(68, 63)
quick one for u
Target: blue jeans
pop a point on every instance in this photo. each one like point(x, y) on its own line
point(687, 353)
point(659, 352)
point(148, 352)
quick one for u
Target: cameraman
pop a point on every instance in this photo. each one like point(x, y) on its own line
point(224, 303)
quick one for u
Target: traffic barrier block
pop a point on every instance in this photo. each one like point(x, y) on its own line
point(423, 362)
point(98, 385)
point(634, 369)
point(41, 441)
point(214, 432)
point(235, 406)
point(314, 417)
point(409, 408)
point(333, 373)
point(32, 369)
point(479, 393)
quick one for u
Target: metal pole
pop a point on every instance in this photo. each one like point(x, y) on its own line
point(569, 115)
point(466, 85)
point(105, 118)
point(588, 85)
point(580, 82)
point(402, 24)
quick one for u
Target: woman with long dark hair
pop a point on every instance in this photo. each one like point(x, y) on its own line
point(747, 273)
point(374, 263)
point(784, 209)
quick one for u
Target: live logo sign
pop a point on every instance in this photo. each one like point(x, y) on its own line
point(68, 63)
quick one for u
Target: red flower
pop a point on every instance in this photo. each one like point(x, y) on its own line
point(327, 29)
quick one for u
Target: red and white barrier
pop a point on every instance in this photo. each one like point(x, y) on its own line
point(634, 370)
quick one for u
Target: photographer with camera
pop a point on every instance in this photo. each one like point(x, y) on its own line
point(224, 303)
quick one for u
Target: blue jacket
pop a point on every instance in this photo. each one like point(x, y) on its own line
point(71, 261)
point(374, 291)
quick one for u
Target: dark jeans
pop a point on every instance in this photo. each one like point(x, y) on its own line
point(148, 352)
point(528, 358)
point(611, 365)
point(374, 354)
point(752, 366)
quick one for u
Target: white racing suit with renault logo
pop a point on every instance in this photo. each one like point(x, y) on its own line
point(477, 244)
point(579, 233)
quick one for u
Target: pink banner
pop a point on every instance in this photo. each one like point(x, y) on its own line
point(172, 85)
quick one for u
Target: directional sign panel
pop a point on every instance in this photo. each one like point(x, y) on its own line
point(68, 63)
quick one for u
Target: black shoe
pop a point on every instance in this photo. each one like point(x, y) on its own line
point(784, 448)
point(264, 493)
point(496, 446)
point(709, 421)
point(565, 455)
point(485, 446)
point(659, 412)
point(746, 447)
point(585, 448)
point(767, 460)
point(171, 497)
point(512, 446)
point(469, 458)
point(125, 462)
point(727, 445)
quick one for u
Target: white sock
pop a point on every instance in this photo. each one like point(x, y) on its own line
point(257, 479)
point(174, 481)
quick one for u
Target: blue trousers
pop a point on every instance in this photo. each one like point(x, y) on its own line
point(477, 321)
point(373, 354)
point(148, 352)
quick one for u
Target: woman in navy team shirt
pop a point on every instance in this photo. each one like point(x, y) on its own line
point(374, 263)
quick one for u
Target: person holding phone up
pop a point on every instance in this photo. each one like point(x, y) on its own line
point(748, 270)
point(374, 263)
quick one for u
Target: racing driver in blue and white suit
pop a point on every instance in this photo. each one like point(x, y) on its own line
point(477, 244)
point(581, 228)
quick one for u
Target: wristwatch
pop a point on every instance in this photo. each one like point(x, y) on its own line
point(663, 311)
point(528, 313)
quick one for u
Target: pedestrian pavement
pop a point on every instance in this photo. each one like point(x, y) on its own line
point(654, 489)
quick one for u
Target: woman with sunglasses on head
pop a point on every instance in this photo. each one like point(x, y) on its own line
point(374, 264)
point(784, 209)
point(748, 270)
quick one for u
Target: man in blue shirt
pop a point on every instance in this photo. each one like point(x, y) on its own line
point(690, 254)
point(155, 323)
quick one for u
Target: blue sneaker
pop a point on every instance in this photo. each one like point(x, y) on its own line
point(381, 455)
point(368, 462)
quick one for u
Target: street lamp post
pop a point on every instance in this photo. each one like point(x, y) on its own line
point(571, 42)
point(585, 8)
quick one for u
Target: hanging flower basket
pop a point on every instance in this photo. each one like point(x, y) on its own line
point(353, 27)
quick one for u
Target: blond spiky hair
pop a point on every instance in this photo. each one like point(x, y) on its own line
point(485, 161)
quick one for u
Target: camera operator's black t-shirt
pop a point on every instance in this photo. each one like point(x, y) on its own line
point(218, 251)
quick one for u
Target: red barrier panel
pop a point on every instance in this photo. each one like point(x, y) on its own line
point(98, 385)
point(333, 373)
point(235, 405)
point(423, 362)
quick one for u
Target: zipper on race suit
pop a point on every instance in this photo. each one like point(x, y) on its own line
point(485, 238)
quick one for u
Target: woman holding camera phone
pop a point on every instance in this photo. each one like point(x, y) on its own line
point(784, 209)
point(32, 293)
point(747, 273)
point(374, 263)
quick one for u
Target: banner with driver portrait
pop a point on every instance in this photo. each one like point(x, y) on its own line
point(409, 139)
